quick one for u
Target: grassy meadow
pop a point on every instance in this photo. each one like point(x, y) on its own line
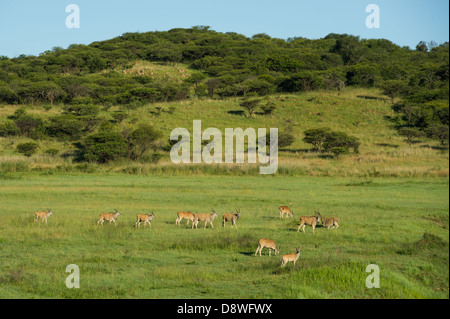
point(401, 224)
point(391, 198)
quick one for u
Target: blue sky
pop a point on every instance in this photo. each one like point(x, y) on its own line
point(31, 27)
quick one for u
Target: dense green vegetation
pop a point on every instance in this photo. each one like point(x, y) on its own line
point(225, 64)
point(137, 69)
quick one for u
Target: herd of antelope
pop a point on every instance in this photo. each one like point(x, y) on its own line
point(313, 221)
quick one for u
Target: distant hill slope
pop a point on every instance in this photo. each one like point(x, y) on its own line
point(239, 65)
point(360, 112)
point(372, 89)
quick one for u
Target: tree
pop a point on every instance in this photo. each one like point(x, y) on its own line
point(65, 127)
point(250, 105)
point(196, 78)
point(317, 137)
point(349, 48)
point(28, 124)
point(341, 143)
point(212, 85)
point(302, 81)
point(439, 132)
point(81, 109)
point(422, 46)
point(201, 90)
point(284, 139)
point(394, 88)
point(104, 146)
point(410, 133)
point(142, 139)
point(8, 128)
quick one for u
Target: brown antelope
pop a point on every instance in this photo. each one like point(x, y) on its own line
point(207, 218)
point(111, 217)
point(309, 220)
point(232, 217)
point(284, 210)
point(189, 216)
point(268, 243)
point(42, 215)
point(144, 218)
point(329, 221)
point(290, 257)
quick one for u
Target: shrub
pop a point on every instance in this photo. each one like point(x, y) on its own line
point(268, 108)
point(104, 146)
point(285, 140)
point(27, 149)
point(65, 127)
point(28, 124)
point(323, 139)
point(81, 109)
point(341, 140)
point(338, 151)
point(439, 132)
point(119, 116)
point(9, 128)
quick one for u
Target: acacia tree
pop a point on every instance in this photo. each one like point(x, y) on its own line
point(410, 133)
point(439, 132)
point(142, 139)
point(394, 88)
point(212, 85)
point(317, 137)
point(250, 105)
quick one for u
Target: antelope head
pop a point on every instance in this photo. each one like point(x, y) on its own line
point(319, 217)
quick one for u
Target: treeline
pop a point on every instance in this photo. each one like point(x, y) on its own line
point(226, 64)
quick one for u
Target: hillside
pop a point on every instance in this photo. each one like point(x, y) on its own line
point(360, 112)
point(393, 101)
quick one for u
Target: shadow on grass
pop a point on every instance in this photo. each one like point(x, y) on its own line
point(369, 97)
point(236, 112)
point(387, 145)
point(247, 253)
point(436, 148)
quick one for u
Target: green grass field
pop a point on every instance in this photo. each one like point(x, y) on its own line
point(400, 224)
